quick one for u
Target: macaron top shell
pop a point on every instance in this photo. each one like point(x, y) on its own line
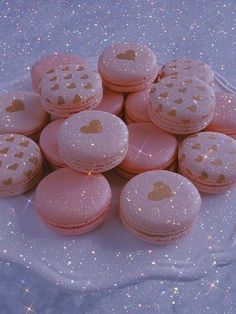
point(20, 159)
point(224, 119)
point(188, 67)
point(69, 197)
point(160, 201)
point(183, 99)
point(136, 106)
point(94, 135)
point(127, 63)
point(112, 102)
point(70, 85)
point(48, 62)
point(48, 141)
point(149, 147)
point(209, 157)
point(21, 112)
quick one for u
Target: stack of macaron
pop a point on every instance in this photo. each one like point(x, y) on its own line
point(176, 122)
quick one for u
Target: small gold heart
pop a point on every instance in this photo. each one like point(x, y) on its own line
point(28, 173)
point(186, 121)
point(16, 105)
point(19, 155)
point(50, 71)
point(68, 77)
point(192, 108)
point(13, 167)
point(80, 68)
point(204, 175)
point(217, 162)
point(182, 157)
point(197, 98)
point(60, 100)
point(76, 99)
point(182, 90)
point(55, 87)
point(10, 139)
point(188, 81)
point(199, 158)
point(172, 113)
point(213, 148)
point(202, 88)
point(159, 108)
point(71, 86)
point(174, 77)
point(66, 68)
point(178, 101)
point(88, 86)
point(4, 151)
point(84, 77)
point(164, 95)
point(94, 126)
point(129, 55)
point(221, 178)
point(24, 144)
point(8, 181)
point(153, 89)
point(160, 192)
point(170, 85)
point(33, 160)
point(54, 78)
point(196, 146)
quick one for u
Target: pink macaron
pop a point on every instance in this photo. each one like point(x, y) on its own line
point(136, 107)
point(224, 120)
point(71, 202)
point(208, 159)
point(159, 206)
point(93, 141)
point(181, 105)
point(150, 148)
point(127, 67)
point(48, 144)
point(48, 63)
point(20, 164)
point(22, 113)
point(70, 88)
point(187, 67)
point(112, 102)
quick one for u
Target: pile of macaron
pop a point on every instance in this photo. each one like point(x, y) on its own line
point(165, 129)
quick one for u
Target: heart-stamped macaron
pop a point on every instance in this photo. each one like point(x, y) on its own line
point(127, 67)
point(70, 88)
point(92, 141)
point(208, 159)
point(181, 105)
point(159, 206)
point(20, 164)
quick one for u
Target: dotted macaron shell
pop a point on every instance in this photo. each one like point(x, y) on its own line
point(209, 157)
point(194, 68)
point(20, 163)
point(70, 88)
point(183, 103)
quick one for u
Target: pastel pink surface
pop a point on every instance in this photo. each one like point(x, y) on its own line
point(20, 163)
point(186, 67)
point(136, 106)
point(160, 203)
point(149, 148)
point(224, 119)
point(128, 64)
point(92, 139)
point(22, 113)
point(48, 62)
point(70, 88)
point(181, 104)
point(48, 142)
point(112, 102)
point(70, 200)
point(209, 158)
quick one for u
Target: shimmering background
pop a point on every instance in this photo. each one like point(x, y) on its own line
point(198, 29)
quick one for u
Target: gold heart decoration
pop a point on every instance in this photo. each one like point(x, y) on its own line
point(192, 108)
point(199, 158)
point(19, 155)
point(80, 68)
point(33, 160)
point(204, 175)
point(50, 71)
point(10, 139)
point(129, 55)
point(24, 143)
point(76, 99)
point(182, 90)
point(84, 77)
point(217, 162)
point(60, 100)
point(160, 192)
point(159, 108)
point(54, 78)
point(196, 146)
point(221, 178)
point(8, 181)
point(172, 113)
point(55, 87)
point(4, 151)
point(164, 95)
point(170, 85)
point(68, 77)
point(16, 106)
point(94, 127)
point(178, 101)
point(88, 86)
point(13, 167)
point(71, 86)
